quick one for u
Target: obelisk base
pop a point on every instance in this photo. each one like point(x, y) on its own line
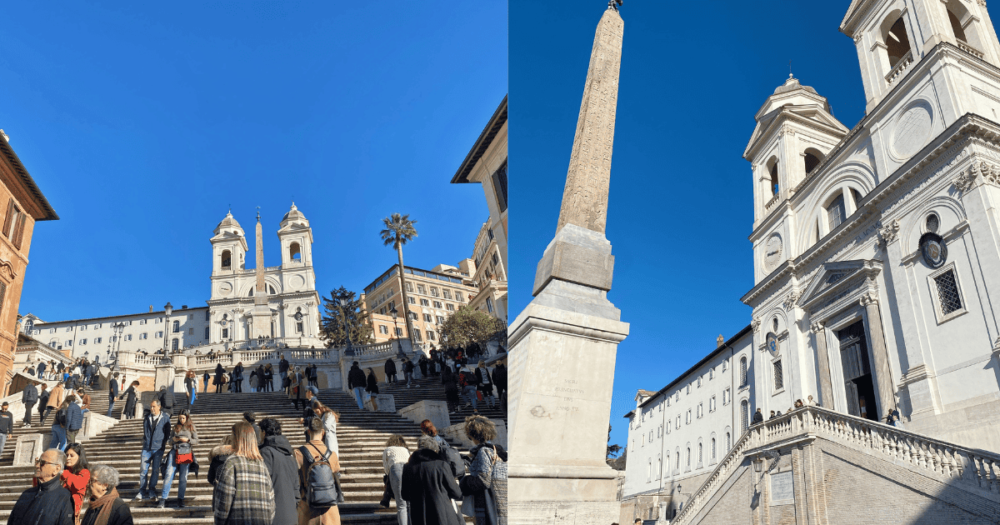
point(261, 315)
point(563, 373)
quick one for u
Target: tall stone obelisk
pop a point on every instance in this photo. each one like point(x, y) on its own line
point(563, 345)
point(261, 313)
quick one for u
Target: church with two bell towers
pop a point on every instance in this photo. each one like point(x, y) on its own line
point(270, 302)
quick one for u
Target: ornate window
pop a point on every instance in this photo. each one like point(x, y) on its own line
point(743, 371)
point(745, 414)
point(227, 260)
point(713, 448)
point(779, 380)
point(897, 42)
point(947, 293)
point(836, 212)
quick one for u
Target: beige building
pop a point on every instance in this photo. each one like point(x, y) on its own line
point(486, 164)
point(433, 295)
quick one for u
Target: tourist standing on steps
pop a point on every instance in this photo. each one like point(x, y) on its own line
point(305, 456)
point(43, 402)
point(314, 376)
point(106, 505)
point(283, 370)
point(167, 400)
point(55, 400)
point(489, 495)
point(500, 379)
point(356, 382)
point(394, 458)
point(218, 456)
point(238, 378)
point(29, 396)
point(41, 370)
point(467, 380)
point(372, 388)
point(261, 382)
point(74, 419)
point(219, 381)
point(390, 371)
point(191, 387)
point(280, 462)
point(408, 372)
point(429, 487)
point(47, 503)
point(485, 384)
point(84, 400)
point(243, 492)
point(6, 425)
point(450, 381)
point(58, 440)
point(253, 381)
point(184, 438)
point(268, 378)
point(130, 396)
point(302, 392)
point(76, 476)
point(207, 378)
point(155, 435)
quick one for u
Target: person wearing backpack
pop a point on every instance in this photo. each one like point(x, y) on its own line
point(485, 488)
point(280, 461)
point(429, 486)
point(250, 500)
point(317, 474)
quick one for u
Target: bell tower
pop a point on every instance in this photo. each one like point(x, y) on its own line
point(229, 247)
point(296, 239)
point(892, 35)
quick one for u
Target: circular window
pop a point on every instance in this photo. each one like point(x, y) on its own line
point(775, 324)
point(933, 223)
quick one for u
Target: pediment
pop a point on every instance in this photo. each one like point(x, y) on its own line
point(834, 278)
point(797, 116)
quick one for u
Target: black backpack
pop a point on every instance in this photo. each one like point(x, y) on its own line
point(320, 484)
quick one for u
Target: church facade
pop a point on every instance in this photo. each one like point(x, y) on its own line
point(291, 303)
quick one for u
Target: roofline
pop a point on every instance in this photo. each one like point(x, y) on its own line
point(161, 312)
point(717, 351)
point(49, 214)
point(418, 269)
point(498, 119)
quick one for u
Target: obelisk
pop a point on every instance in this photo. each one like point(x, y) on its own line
point(563, 345)
point(261, 313)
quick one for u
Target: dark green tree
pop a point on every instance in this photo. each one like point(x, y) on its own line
point(343, 315)
point(613, 450)
point(468, 326)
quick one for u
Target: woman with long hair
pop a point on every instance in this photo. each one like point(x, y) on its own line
point(130, 402)
point(183, 440)
point(76, 475)
point(250, 501)
point(219, 381)
point(191, 385)
point(394, 458)
point(330, 418)
point(489, 496)
point(237, 378)
point(268, 378)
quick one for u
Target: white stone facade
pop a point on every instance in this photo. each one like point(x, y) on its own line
point(292, 297)
point(677, 435)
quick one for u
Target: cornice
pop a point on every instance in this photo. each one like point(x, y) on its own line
point(787, 115)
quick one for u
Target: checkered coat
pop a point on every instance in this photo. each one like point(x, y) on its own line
point(243, 493)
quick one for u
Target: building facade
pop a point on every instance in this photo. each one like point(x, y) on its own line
point(291, 293)
point(23, 205)
point(678, 434)
point(486, 164)
point(433, 295)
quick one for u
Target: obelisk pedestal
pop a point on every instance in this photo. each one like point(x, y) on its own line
point(564, 344)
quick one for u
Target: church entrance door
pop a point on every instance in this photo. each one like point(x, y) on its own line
point(858, 381)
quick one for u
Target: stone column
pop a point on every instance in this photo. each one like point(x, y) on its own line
point(823, 361)
point(883, 373)
point(563, 346)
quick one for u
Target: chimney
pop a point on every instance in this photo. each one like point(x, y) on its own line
point(719, 340)
point(150, 308)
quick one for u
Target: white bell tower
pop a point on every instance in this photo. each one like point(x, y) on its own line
point(229, 247)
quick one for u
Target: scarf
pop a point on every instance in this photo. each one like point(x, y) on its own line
point(103, 506)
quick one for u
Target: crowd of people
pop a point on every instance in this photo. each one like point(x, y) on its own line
point(462, 383)
point(81, 372)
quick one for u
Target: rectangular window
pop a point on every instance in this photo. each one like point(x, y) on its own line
point(450, 307)
point(459, 297)
point(949, 300)
point(416, 335)
point(83, 341)
point(427, 318)
point(225, 333)
point(97, 340)
point(299, 327)
point(83, 327)
point(190, 318)
point(779, 381)
point(142, 321)
point(437, 304)
point(414, 316)
point(489, 305)
point(425, 302)
point(421, 289)
point(190, 331)
point(159, 335)
point(383, 329)
point(143, 335)
point(447, 294)
point(399, 332)
point(496, 259)
point(412, 300)
point(434, 291)
point(409, 288)
point(440, 320)
point(69, 343)
point(69, 328)
point(836, 213)
point(430, 335)
point(489, 233)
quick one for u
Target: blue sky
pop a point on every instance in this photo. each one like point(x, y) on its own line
point(693, 75)
point(143, 122)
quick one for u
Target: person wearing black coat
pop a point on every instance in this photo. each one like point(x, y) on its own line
point(430, 486)
point(237, 379)
point(280, 462)
point(356, 382)
point(29, 396)
point(283, 373)
point(500, 379)
point(268, 378)
point(167, 400)
point(261, 381)
point(372, 388)
point(130, 400)
point(390, 371)
point(207, 377)
point(219, 372)
point(112, 393)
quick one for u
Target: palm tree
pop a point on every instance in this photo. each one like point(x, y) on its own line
point(398, 230)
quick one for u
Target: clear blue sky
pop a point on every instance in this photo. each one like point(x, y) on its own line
point(142, 122)
point(693, 75)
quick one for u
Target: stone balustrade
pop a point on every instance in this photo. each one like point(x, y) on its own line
point(971, 469)
point(770, 204)
point(900, 68)
point(964, 46)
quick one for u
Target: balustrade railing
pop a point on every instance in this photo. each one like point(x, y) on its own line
point(962, 466)
point(964, 46)
point(389, 347)
point(900, 67)
point(770, 204)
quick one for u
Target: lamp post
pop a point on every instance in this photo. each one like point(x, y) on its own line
point(118, 329)
point(166, 329)
point(395, 326)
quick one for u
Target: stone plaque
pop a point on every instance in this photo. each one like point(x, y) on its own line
point(782, 490)
point(29, 447)
point(912, 130)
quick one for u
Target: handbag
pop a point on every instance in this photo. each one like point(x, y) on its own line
point(184, 454)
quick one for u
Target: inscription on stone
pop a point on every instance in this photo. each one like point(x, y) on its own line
point(782, 490)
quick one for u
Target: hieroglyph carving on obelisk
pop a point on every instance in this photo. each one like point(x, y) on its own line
point(585, 199)
point(260, 257)
point(261, 310)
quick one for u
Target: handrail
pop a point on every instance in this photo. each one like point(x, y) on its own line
point(900, 67)
point(974, 468)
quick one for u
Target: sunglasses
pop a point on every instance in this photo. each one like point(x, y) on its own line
point(42, 462)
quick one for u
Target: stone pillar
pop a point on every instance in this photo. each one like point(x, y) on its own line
point(164, 376)
point(823, 361)
point(883, 373)
point(563, 346)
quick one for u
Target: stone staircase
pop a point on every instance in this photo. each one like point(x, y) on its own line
point(362, 436)
point(431, 388)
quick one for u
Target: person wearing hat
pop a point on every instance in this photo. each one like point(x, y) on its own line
point(6, 425)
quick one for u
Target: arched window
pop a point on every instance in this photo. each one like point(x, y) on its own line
point(956, 26)
point(836, 212)
point(897, 42)
point(745, 414)
point(743, 372)
point(678, 460)
point(177, 326)
point(699, 453)
point(729, 442)
point(713, 448)
point(294, 252)
point(812, 159)
point(689, 457)
point(174, 344)
point(227, 260)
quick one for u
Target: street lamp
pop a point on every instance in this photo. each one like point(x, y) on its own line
point(166, 330)
point(395, 325)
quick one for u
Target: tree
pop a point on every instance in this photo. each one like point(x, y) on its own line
point(398, 231)
point(613, 450)
point(343, 315)
point(468, 326)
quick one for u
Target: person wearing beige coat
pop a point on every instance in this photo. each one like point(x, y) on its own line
point(55, 399)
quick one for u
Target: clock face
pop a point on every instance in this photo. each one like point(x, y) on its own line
point(225, 288)
point(772, 344)
point(772, 252)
